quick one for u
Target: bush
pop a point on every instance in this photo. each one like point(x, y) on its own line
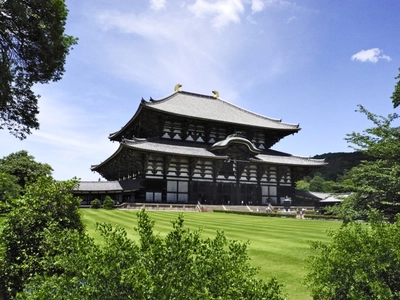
point(9, 190)
point(277, 215)
point(95, 203)
point(361, 262)
point(108, 203)
point(181, 265)
point(46, 204)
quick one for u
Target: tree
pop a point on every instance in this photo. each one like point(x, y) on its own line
point(24, 167)
point(46, 205)
point(108, 203)
point(319, 184)
point(361, 262)
point(303, 185)
point(33, 49)
point(396, 94)
point(376, 183)
point(9, 190)
point(180, 266)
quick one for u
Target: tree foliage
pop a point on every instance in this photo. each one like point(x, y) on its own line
point(180, 266)
point(319, 184)
point(361, 262)
point(24, 167)
point(396, 94)
point(108, 203)
point(33, 49)
point(376, 183)
point(9, 190)
point(46, 204)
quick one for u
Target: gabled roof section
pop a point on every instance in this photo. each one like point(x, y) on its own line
point(205, 107)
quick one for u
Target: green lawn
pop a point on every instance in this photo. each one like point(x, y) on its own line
point(277, 246)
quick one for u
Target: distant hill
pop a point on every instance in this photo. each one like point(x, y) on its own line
point(338, 163)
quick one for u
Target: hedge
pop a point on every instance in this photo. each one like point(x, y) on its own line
point(278, 215)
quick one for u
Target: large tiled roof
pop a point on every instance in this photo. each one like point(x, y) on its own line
point(210, 108)
point(108, 186)
point(168, 147)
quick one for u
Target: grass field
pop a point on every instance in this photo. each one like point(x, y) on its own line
point(277, 246)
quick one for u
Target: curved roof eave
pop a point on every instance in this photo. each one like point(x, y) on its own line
point(95, 167)
point(290, 160)
point(125, 144)
point(114, 136)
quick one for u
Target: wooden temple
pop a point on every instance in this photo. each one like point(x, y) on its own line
point(190, 148)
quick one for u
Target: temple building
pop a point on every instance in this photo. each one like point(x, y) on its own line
point(190, 148)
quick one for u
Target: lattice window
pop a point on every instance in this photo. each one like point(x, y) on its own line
point(285, 176)
point(153, 196)
point(177, 191)
point(196, 133)
point(155, 166)
point(269, 193)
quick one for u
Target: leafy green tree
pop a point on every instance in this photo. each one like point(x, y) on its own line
point(108, 203)
point(9, 190)
point(396, 94)
point(24, 167)
point(303, 185)
point(361, 262)
point(33, 49)
point(376, 183)
point(95, 203)
point(180, 266)
point(46, 203)
point(317, 184)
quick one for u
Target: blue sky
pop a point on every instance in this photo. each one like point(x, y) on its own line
point(308, 62)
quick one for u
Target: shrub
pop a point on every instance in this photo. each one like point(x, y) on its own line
point(108, 203)
point(361, 262)
point(181, 265)
point(46, 204)
point(95, 203)
point(276, 215)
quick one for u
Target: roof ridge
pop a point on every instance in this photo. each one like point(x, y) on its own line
point(151, 100)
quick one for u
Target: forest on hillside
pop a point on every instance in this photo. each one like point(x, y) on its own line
point(338, 164)
point(333, 177)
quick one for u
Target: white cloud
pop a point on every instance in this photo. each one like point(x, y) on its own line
point(185, 45)
point(223, 12)
point(257, 6)
point(157, 4)
point(162, 50)
point(370, 55)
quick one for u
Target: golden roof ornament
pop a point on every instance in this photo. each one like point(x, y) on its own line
point(177, 87)
point(216, 94)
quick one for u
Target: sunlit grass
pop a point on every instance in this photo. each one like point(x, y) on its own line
point(277, 246)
